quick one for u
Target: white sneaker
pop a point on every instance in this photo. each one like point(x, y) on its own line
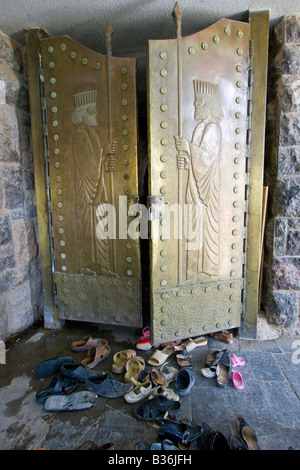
point(142, 390)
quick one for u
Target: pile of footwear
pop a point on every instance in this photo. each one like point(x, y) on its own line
point(220, 364)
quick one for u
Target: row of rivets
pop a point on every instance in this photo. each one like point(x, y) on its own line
point(216, 40)
point(72, 55)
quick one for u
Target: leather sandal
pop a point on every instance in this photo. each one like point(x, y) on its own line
point(225, 336)
point(120, 359)
point(184, 359)
point(159, 357)
point(96, 354)
point(85, 343)
point(133, 368)
point(156, 378)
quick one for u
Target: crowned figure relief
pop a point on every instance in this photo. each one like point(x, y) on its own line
point(201, 157)
point(91, 187)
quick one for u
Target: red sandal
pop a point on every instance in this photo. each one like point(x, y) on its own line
point(144, 342)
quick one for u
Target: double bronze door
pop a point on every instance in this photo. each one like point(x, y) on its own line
point(84, 130)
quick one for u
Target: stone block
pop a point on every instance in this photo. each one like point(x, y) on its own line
point(7, 258)
point(287, 30)
point(20, 312)
point(8, 280)
point(12, 188)
point(25, 245)
point(289, 132)
point(285, 273)
point(283, 308)
point(9, 134)
point(288, 161)
point(294, 223)
point(290, 60)
point(14, 89)
point(280, 236)
point(5, 232)
point(293, 243)
point(11, 53)
point(290, 99)
point(286, 201)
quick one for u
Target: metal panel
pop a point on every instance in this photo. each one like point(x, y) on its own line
point(91, 148)
point(198, 133)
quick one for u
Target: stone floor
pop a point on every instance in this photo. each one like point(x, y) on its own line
point(269, 400)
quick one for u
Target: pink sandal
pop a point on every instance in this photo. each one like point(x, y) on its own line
point(237, 380)
point(144, 342)
point(237, 361)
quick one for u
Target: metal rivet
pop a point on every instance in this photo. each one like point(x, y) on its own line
point(237, 146)
point(64, 268)
point(55, 123)
point(164, 142)
point(125, 147)
point(163, 253)
point(236, 176)
point(52, 80)
point(238, 100)
point(238, 130)
point(129, 272)
point(206, 289)
point(124, 117)
point(163, 267)
point(129, 259)
point(84, 61)
point(163, 124)
point(220, 286)
point(163, 174)
point(163, 72)
point(63, 255)
point(60, 218)
point(63, 47)
point(235, 218)
point(124, 102)
point(97, 66)
point(235, 204)
point(58, 178)
point(163, 158)
point(127, 191)
point(191, 330)
point(238, 115)
point(163, 282)
point(61, 230)
point(59, 191)
point(236, 161)
point(234, 232)
point(233, 260)
point(164, 107)
point(239, 51)
point(60, 205)
point(232, 273)
point(126, 177)
point(204, 327)
point(73, 55)
point(51, 65)
point(216, 39)
point(234, 246)
point(163, 90)
point(204, 45)
point(128, 246)
point(227, 31)
point(231, 297)
point(126, 162)
point(230, 310)
point(233, 284)
point(55, 137)
point(54, 109)
point(165, 295)
point(53, 94)
point(50, 49)
point(240, 34)
point(218, 325)
point(57, 165)
point(62, 243)
point(177, 333)
point(163, 55)
point(124, 71)
point(163, 238)
point(239, 84)
point(191, 50)
point(163, 190)
point(235, 189)
point(163, 309)
point(239, 68)
point(163, 323)
point(124, 86)
point(229, 322)
point(130, 283)
point(125, 132)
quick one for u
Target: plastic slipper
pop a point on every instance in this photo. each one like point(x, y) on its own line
point(75, 402)
point(182, 431)
point(225, 336)
point(144, 342)
point(160, 356)
point(85, 343)
point(51, 366)
point(133, 367)
point(157, 407)
point(237, 361)
point(237, 380)
point(184, 359)
point(190, 344)
point(248, 435)
point(57, 386)
point(120, 359)
point(96, 354)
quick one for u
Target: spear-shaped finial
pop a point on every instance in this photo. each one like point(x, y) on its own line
point(177, 13)
point(108, 31)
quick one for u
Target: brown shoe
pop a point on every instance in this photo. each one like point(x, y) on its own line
point(225, 336)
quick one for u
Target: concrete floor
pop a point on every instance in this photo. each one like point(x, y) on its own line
point(269, 400)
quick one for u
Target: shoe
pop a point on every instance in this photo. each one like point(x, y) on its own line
point(141, 391)
point(213, 358)
point(168, 373)
point(183, 359)
point(51, 366)
point(85, 343)
point(209, 372)
point(164, 392)
point(108, 387)
point(182, 431)
point(78, 371)
point(237, 361)
point(191, 344)
point(225, 336)
point(237, 444)
point(247, 434)
point(133, 368)
point(156, 378)
point(96, 354)
point(237, 380)
point(57, 386)
point(120, 359)
point(144, 342)
point(184, 381)
point(224, 370)
point(76, 402)
point(159, 357)
point(212, 440)
point(150, 410)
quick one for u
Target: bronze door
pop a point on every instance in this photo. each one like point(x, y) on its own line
point(90, 138)
point(198, 103)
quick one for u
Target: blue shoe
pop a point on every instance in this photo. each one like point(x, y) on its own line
point(78, 371)
point(185, 379)
point(154, 408)
point(107, 387)
point(51, 366)
point(76, 402)
point(182, 431)
point(57, 386)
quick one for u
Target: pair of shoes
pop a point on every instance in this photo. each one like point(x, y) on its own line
point(141, 391)
point(166, 444)
point(106, 386)
point(209, 372)
point(85, 343)
point(247, 434)
point(225, 336)
point(184, 381)
point(223, 369)
point(157, 407)
point(128, 361)
point(144, 342)
point(51, 366)
point(57, 386)
point(182, 431)
point(96, 354)
point(164, 392)
point(90, 445)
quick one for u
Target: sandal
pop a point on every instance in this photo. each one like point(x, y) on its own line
point(157, 407)
point(184, 359)
point(156, 378)
point(85, 343)
point(133, 368)
point(144, 342)
point(214, 358)
point(159, 357)
point(191, 344)
point(96, 354)
point(224, 370)
point(225, 336)
point(120, 359)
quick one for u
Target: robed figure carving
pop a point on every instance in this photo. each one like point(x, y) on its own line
point(91, 167)
point(201, 158)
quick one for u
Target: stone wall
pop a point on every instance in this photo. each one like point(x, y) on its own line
point(20, 279)
point(281, 282)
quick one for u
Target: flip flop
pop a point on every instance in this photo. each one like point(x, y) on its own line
point(57, 386)
point(159, 357)
point(75, 402)
point(96, 354)
point(85, 343)
point(191, 344)
point(120, 359)
point(248, 435)
point(133, 368)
